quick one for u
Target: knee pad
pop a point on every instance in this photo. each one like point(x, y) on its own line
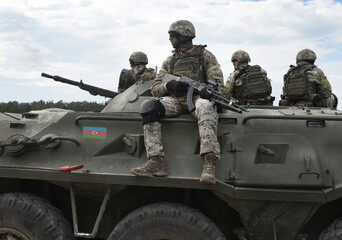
point(151, 111)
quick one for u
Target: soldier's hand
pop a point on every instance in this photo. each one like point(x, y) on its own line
point(204, 93)
point(177, 87)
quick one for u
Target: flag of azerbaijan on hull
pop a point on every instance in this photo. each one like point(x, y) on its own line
point(95, 132)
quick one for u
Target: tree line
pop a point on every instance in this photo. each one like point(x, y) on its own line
point(16, 107)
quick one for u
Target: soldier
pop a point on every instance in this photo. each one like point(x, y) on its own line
point(138, 71)
point(196, 62)
point(249, 84)
point(306, 84)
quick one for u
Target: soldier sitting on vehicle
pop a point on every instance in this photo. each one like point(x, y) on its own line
point(249, 84)
point(138, 71)
point(306, 84)
point(197, 63)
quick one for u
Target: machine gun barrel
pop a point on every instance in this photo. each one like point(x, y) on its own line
point(91, 89)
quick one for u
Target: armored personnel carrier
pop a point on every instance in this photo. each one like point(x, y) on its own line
point(66, 175)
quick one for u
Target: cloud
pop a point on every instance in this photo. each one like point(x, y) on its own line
point(92, 40)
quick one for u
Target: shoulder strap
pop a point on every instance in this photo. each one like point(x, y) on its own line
point(141, 71)
point(244, 70)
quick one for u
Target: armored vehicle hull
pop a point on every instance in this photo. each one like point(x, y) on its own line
point(278, 177)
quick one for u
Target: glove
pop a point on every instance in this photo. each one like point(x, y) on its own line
point(316, 100)
point(176, 87)
point(204, 93)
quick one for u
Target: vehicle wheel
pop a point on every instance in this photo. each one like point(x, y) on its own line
point(27, 217)
point(333, 232)
point(166, 221)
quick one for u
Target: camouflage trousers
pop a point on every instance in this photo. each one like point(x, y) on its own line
point(206, 115)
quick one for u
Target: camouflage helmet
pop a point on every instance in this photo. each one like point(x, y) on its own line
point(138, 57)
point(184, 28)
point(241, 56)
point(306, 54)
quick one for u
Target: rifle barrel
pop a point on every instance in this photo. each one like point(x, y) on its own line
point(47, 75)
point(91, 89)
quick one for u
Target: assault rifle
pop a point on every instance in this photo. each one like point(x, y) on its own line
point(91, 89)
point(212, 88)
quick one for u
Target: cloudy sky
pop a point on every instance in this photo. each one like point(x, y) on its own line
point(92, 39)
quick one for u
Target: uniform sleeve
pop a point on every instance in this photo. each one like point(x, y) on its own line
point(230, 83)
point(159, 88)
point(268, 80)
point(324, 87)
point(213, 71)
point(285, 83)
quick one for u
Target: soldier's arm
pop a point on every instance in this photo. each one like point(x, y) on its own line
point(159, 88)
point(285, 83)
point(324, 87)
point(268, 80)
point(230, 83)
point(213, 71)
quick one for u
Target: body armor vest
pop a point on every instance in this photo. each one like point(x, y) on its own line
point(190, 64)
point(297, 84)
point(250, 83)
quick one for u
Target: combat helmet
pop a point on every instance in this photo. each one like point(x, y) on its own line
point(184, 28)
point(138, 57)
point(241, 56)
point(306, 55)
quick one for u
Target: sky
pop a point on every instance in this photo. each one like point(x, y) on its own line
point(93, 39)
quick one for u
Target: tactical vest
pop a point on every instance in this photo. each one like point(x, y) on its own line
point(190, 64)
point(147, 74)
point(250, 83)
point(297, 84)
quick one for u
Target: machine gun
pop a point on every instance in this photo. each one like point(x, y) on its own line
point(91, 89)
point(212, 88)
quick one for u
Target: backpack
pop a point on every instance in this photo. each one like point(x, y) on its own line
point(297, 84)
point(254, 84)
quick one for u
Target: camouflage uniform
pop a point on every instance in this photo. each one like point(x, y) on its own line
point(248, 84)
point(141, 73)
point(175, 105)
point(237, 90)
point(138, 71)
point(313, 90)
point(204, 66)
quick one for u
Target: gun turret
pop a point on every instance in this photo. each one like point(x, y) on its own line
point(91, 89)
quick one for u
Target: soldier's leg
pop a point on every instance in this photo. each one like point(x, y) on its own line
point(151, 111)
point(210, 149)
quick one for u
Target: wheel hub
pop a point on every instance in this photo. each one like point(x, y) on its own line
point(12, 234)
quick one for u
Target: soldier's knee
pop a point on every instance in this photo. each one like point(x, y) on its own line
point(151, 111)
point(205, 108)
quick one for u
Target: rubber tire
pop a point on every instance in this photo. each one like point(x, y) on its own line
point(33, 216)
point(333, 232)
point(166, 220)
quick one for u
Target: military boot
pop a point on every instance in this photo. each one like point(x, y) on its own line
point(209, 163)
point(154, 167)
